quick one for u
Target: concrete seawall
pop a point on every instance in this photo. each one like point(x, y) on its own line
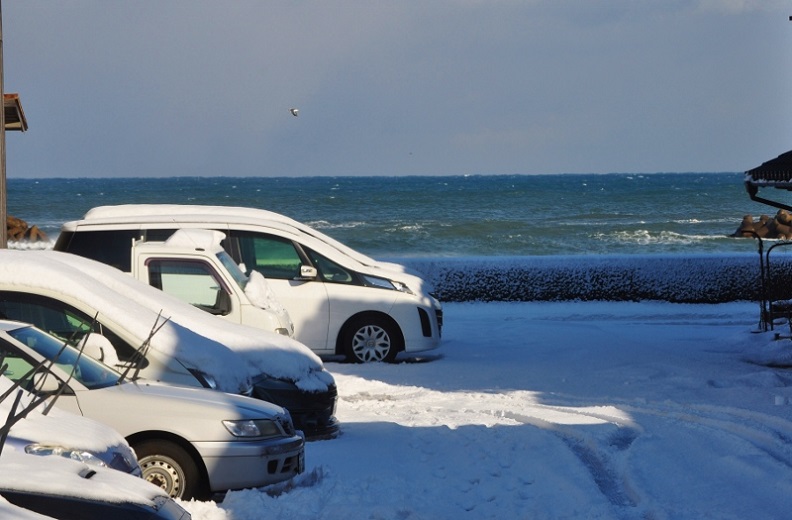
point(672, 278)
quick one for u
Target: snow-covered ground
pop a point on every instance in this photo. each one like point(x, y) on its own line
point(556, 410)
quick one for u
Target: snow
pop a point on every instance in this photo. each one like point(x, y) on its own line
point(261, 294)
point(245, 352)
point(556, 410)
point(62, 477)
point(195, 239)
point(58, 475)
point(693, 278)
point(266, 352)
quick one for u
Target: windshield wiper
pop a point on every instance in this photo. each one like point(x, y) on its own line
point(137, 358)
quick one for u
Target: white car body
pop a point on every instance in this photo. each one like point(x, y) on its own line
point(192, 266)
point(147, 412)
point(66, 294)
point(341, 301)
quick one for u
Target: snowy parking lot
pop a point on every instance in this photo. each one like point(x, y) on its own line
point(556, 410)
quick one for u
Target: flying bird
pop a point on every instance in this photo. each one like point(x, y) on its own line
point(294, 111)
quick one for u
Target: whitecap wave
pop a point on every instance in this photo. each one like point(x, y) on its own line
point(28, 245)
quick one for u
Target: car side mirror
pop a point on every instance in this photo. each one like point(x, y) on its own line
point(308, 272)
point(100, 348)
point(45, 383)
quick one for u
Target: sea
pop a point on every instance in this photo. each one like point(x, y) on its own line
point(448, 216)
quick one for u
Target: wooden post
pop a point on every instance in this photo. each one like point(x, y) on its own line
point(3, 193)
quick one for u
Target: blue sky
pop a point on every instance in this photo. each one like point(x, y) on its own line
point(191, 87)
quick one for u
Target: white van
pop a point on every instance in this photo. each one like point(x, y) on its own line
point(340, 301)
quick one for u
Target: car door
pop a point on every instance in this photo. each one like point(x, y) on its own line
point(280, 261)
point(194, 282)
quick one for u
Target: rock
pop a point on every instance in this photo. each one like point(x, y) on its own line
point(18, 229)
point(778, 227)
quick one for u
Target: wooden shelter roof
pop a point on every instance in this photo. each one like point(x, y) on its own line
point(14, 115)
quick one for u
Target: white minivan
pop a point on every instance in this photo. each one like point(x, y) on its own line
point(340, 301)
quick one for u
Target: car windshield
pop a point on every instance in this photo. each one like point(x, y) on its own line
point(88, 371)
point(233, 269)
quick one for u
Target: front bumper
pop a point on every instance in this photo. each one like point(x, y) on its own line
point(249, 464)
point(311, 412)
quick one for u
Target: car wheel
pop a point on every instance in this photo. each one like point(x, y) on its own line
point(371, 339)
point(168, 466)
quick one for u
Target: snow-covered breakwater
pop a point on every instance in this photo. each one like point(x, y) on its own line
point(672, 278)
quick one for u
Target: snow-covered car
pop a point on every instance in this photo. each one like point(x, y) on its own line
point(66, 489)
point(69, 296)
point(68, 467)
point(62, 434)
point(340, 301)
point(191, 442)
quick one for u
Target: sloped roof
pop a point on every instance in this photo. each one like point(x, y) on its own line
point(14, 115)
point(775, 173)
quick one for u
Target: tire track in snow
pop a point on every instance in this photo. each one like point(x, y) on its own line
point(595, 454)
point(600, 437)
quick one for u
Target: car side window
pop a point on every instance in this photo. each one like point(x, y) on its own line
point(272, 256)
point(109, 247)
point(191, 281)
point(17, 366)
point(329, 271)
point(59, 319)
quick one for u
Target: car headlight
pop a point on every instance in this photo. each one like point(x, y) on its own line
point(401, 287)
point(384, 283)
point(253, 428)
point(84, 456)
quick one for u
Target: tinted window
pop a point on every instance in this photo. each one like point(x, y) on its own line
point(329, 271)
point(62, 321)
point(272, 256)
point(109, 247)
point(86, 370)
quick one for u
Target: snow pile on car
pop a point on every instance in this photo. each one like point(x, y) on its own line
point(269, 353)
point(51, 271)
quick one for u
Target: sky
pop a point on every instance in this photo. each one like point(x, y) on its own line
point(199, 88)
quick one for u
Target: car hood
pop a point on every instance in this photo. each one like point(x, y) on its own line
point(201, 400)
point(59, 427)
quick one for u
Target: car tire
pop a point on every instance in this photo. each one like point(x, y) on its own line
point(168, 466)
point(371, 338)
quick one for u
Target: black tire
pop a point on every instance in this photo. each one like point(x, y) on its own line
point(168, 466)
point(371, 338)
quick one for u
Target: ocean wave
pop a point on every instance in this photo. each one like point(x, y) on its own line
point(324, 224)
point(646, 237)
